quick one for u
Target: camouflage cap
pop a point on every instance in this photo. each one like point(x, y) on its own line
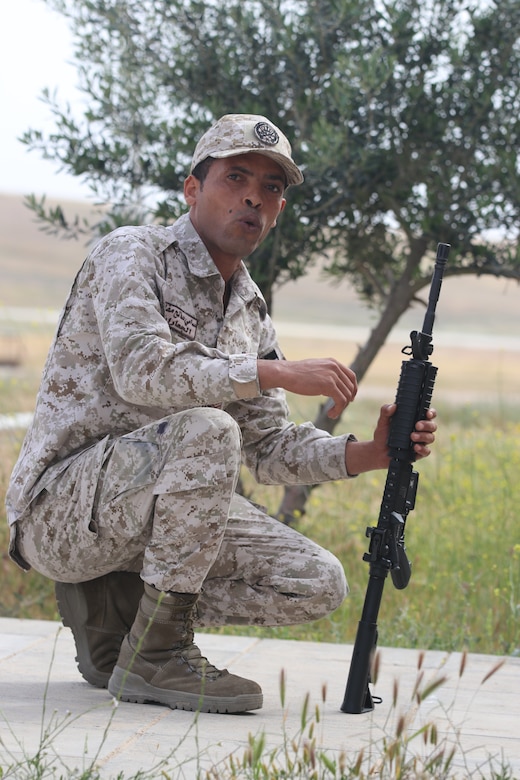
point(235, 134)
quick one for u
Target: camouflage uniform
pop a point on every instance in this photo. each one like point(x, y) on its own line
point(149, 403)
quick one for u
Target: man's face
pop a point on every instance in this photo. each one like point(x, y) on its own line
point(236, 206)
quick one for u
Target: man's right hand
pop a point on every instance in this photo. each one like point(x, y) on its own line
point(312, 376)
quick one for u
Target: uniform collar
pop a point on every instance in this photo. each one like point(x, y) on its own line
point(199, 260)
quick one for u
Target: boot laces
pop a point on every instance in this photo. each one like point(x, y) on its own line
point(197, 663)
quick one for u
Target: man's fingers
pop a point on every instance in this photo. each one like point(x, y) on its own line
point(339, 401)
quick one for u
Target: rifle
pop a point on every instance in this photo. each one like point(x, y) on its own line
point(387, 551)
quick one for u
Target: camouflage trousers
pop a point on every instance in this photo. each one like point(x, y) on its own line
point(165, 505)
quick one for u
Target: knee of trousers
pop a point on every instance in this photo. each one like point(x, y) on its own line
point(207, 431)
point(334, 585)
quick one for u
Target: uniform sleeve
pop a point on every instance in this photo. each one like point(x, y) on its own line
point(279, 452)
point(146, 367)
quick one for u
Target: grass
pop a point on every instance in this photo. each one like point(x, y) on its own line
point(406, 751)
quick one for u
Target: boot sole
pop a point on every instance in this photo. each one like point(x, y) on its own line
point(127, 686)
point(73, 610)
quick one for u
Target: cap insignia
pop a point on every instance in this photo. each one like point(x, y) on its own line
point(266, 134)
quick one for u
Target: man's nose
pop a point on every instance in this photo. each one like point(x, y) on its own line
point(253, 198)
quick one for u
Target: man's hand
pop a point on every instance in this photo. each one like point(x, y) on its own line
point(314, 376)
point(370, 455)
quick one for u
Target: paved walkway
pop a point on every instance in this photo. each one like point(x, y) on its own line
point(46, 708)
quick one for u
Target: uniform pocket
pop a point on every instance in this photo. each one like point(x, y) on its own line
point(125, 499)
point(71, 487)
point(189, 474)
point(130, 465)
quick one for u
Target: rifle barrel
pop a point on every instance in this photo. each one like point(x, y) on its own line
point(435, 287)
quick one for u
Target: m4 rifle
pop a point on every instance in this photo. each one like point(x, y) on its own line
point(387, 552)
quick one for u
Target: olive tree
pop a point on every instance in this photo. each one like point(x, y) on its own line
point(404, 115)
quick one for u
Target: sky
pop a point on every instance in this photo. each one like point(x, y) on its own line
point(35, 52)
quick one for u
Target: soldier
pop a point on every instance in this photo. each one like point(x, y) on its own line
point(165, 374)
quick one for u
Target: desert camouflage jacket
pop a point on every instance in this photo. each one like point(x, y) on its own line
point(144, 334)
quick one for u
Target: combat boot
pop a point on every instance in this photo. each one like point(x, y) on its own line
point(159, 662)
point(100, 613)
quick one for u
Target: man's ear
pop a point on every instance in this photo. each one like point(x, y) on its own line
point(282, 206)
point(191, 189)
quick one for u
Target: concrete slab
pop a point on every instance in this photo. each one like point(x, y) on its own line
point(48, 710)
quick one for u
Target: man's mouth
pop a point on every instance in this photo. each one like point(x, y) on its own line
point(251, 221)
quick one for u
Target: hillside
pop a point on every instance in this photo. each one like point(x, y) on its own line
point(37, 269)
